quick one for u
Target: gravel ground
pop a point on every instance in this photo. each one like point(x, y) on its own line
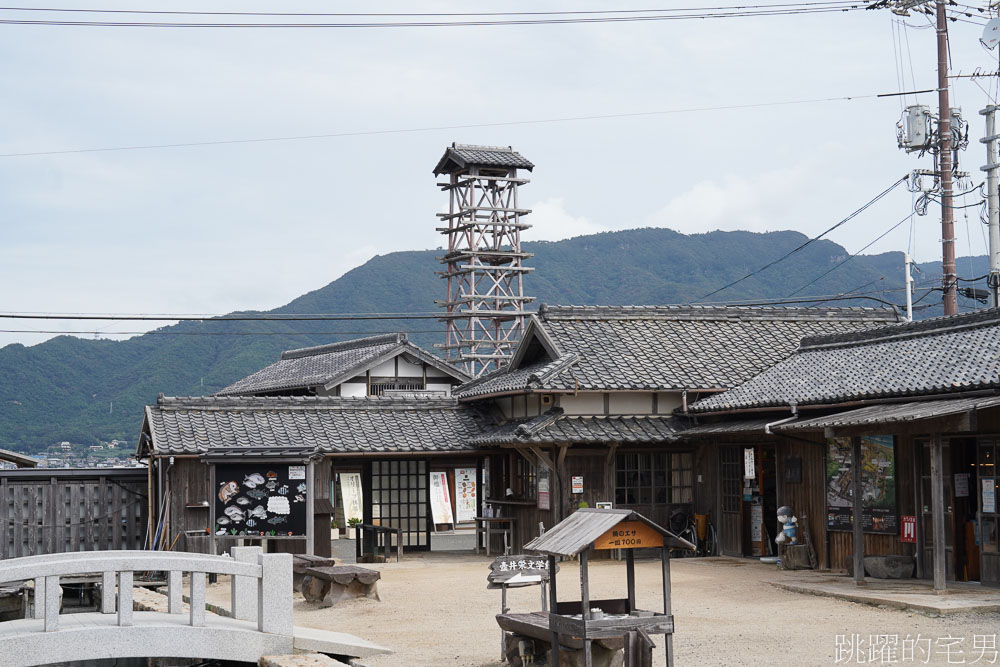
point(436, 610)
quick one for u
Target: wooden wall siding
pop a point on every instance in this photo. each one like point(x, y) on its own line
point(188, 483)
point(842, 547)
point(56, 515)
point(706, 467)
point(807, 498)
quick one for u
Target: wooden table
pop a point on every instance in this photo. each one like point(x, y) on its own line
point(484, 524)
point(330, 585)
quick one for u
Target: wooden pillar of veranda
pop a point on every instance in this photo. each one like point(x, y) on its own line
point(553, 608)
point(858, 524)
point(588, 657)
point(937, 510)
point(669, 638)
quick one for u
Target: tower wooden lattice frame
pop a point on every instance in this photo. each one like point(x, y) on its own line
point(484, 263)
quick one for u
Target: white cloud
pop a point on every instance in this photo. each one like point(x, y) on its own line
point(551, 222)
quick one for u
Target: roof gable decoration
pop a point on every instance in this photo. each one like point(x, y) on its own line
point(404, 349)
point(534, 331)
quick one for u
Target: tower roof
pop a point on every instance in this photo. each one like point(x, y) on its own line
point(458, 157)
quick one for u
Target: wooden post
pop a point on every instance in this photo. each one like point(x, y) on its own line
point(588, 658)
point(665, 560)
point(553, 608)
point(630, 578)
point(918, 509)
point(858, 525)
point(937, 511)
point(310, 509)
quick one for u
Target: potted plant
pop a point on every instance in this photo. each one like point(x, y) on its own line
point(352, 527)
point(334, 530)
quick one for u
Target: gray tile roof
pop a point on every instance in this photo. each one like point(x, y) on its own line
point(325, 364)
point(459, 156)
point(330, 425)
point(728, 427)
point(936, 356)
point(553, 427)
point(526, 378)
point(893, 413)
point(669, 347)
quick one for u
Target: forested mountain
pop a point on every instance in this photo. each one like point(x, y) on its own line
point(84, 390)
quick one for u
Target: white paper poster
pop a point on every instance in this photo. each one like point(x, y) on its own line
point(465, 494)
point(989, 496)
point(961, 484)
point(350, 491)
point(440, 499)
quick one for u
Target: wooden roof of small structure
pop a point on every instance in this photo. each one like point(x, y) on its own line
point(577, 532)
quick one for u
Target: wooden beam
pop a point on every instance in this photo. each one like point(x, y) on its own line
point(856, 491)
point(543, 458)
point(937, 511)
point(611, 454)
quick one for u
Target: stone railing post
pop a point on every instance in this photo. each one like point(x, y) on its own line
point(50, 602)
point(244, 589)
point(175, 592)
point(38, 595)
point(274, 594)
point(197, 599)
point(108, 592)
point(125, 597)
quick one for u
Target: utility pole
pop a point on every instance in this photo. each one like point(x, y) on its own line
point(909, 287)
point(948, 274)
point(993, 204)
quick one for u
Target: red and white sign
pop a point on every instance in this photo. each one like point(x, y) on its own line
point(908, 529)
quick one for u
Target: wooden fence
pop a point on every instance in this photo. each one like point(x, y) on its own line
point(46, 511)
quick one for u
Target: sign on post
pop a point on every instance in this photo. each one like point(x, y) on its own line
point(465, 494)
point(630, 535)
point(440, 499)
point(578, 484)
point(352, 495)
point(908, 529)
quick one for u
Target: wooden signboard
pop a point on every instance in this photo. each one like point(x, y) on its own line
point(629, 535)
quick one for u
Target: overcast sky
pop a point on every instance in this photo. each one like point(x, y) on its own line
point(213, 229)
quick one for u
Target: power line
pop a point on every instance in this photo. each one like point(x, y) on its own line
point(222, 333)
point(438, 128)
point(837, 3)
point(810, 241)
point(736, 12)
point(850, 257)
point(228, 318)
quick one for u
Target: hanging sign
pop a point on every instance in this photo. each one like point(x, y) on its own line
point(989, 496)
point(465, 494)
point(440, 498)
point(352, 495)
point(630, 535)
point(908, 529)
point(961, 485)
point(544, 501)
point(296, 472)
point(749, 469)
point(878, 485)
point(578, 484)
point(259, 499)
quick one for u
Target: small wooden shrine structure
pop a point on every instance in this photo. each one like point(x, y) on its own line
point(591, 620)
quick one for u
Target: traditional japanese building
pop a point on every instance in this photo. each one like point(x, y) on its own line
point(916, 405)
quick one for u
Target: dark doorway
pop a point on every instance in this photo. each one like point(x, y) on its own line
point(731, 526)
point(400, 500)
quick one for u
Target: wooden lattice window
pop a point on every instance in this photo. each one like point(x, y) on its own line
point(654, 478)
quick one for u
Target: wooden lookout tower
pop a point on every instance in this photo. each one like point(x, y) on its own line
point(484, 265)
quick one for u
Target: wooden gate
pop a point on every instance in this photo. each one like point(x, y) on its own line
point(731, 476)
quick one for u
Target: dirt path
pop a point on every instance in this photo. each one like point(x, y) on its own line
point(436, 610)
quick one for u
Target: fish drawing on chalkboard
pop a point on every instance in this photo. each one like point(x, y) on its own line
point(275, 520)
point(228, 490)
point(251, 523)
point(283, 489)
point(221, 531)
point(257, 494)
point(299, 499)
point(258, 512)
point(243, 501)
point(301, 488)
point(222, 521)
point(234, 513)
point(271, 484)
point(253, 481)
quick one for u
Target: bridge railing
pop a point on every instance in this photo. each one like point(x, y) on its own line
point(261, 583)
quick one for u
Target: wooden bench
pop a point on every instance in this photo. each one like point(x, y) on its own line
point(330, 585)
point(302, 562)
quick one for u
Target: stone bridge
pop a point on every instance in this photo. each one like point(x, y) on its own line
point(260, 624)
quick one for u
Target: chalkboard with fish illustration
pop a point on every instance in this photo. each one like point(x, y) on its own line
point(253, 499)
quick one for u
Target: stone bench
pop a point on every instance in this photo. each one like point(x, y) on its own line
point(330, 585)
point(302, 562)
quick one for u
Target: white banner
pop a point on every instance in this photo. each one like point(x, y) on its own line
point(466, 503)
point(440, 500)
point(352, 495)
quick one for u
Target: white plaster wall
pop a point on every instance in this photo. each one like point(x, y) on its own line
point(631, 403)
point(582, 404)
point(323, 391)
point(353, 389)
point(409, 367)
point(668, 401)
point(518, 407)
point(534, 405)
point(431, 386)
point(385, 369)
point(435, 373)
point(504, 405)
